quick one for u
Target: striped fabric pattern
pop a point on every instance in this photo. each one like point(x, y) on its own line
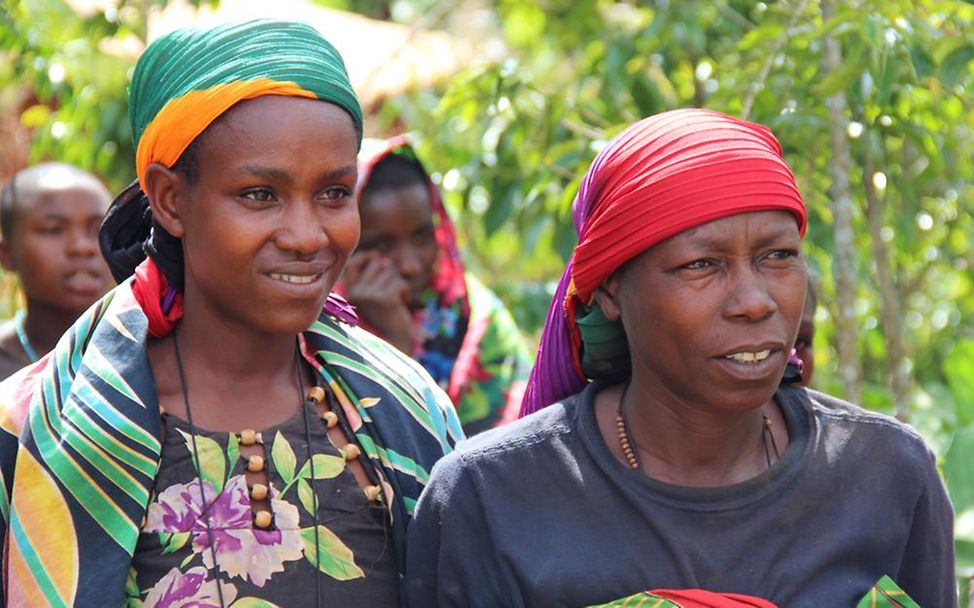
point(79, 446)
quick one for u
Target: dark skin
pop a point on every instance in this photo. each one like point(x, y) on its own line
point(710, 316)
point(266, 227)
point(395, 261)
point(53, 248)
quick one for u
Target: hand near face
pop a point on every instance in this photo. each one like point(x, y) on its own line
point(381, 296)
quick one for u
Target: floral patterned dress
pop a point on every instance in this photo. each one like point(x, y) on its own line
point(173, 565)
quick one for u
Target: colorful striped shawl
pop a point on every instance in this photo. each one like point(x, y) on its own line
point(79, 446)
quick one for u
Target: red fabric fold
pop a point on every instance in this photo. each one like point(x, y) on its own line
point(150, 287)
point(697, 598)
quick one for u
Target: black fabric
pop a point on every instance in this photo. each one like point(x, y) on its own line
point(540, 513)
point(353, 524)
point(129, 233)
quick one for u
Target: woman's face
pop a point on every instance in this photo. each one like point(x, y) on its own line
point(398, 223)
point(711, 314)
point(270, 219)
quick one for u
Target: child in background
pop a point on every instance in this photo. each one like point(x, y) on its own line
point(49, 219)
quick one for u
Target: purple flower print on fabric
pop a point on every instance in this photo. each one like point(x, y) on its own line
point(188, 589)
point(240, 549)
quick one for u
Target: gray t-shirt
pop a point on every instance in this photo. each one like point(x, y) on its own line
point(540, 513)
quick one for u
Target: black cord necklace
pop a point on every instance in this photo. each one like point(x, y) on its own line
point(628, 443)
point(214, 570)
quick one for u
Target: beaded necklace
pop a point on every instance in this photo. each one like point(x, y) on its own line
point(628, 443)
point(260, 519)
point(21, 329)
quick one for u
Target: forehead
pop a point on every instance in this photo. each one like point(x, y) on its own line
point(397, 205)
point(80, 200)
point(276, 126)
point(752, 227)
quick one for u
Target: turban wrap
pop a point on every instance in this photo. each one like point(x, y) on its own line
point(661, 176)
point(182, 83)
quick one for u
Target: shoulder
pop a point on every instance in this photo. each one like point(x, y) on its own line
point(369, 364)
point(340, 341)
point(530, 437)
point(11, 354)
point(870, 434)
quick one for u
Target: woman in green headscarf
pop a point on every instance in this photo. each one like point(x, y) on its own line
point(217, 431)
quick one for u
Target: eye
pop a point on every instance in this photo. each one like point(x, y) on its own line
point(51, 229)
point(335, 194)
point(258, 195)
point(424, 236)
point(783, 254)
point(698, 265)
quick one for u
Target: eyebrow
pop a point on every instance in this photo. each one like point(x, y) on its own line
point(272, 174)
point(716, 241)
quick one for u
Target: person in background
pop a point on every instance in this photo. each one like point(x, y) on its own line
point(805, 342)
point(216, 430)
point(660, 460)
point(408, 285)
point(49, 218)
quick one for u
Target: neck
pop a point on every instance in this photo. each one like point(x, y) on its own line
point(228, 353)
point(691, 445)
point(45, 324)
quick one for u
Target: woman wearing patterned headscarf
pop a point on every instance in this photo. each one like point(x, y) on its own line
point(408, 284)
point(665, 463)
point(214, 431)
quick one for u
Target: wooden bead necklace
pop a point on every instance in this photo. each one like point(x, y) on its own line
point(628, 443)
point(262, 519)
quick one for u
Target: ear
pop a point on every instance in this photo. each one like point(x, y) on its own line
point(6, 257)
point(607, 296)
point(168, 193)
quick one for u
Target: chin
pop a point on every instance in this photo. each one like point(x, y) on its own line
point(293, 320)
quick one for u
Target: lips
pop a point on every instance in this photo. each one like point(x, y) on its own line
point(753, 362)
point(301, 280)
point(85, 281)
point(297, 279)
point(749, 356)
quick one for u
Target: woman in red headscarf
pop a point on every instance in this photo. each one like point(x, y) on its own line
point(672, 454)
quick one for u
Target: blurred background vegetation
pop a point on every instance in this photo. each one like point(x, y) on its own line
point(873, 101)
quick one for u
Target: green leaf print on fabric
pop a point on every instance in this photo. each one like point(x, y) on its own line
point(639, 600)
point(172, 542)
point(326, 467)
point(306, 496)
point(283, 457)
point(233, 452)
point(252, 602)
point(212, 465)
point(886, 594)
point(334, 557)
point(133, 598)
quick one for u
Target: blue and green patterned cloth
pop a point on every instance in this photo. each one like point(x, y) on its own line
point(79, 446)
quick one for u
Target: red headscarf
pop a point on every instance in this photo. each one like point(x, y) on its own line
point(661, 176)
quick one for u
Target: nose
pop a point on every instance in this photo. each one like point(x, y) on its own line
point(301, 229)
point(750, 298)
point(410, 265)
point(82, 242)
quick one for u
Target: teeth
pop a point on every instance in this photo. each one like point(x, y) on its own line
point(750, 357)
point(300, 279)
